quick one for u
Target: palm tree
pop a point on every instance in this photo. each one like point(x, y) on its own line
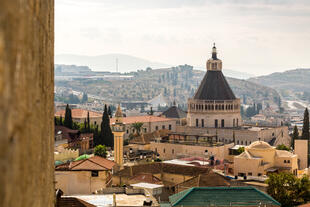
point(137, 126)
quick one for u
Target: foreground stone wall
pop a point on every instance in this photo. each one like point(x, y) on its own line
point(26, 103)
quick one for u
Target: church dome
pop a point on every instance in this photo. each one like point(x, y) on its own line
point(260, 145)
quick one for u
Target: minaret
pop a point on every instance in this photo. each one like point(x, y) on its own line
point(118, 129)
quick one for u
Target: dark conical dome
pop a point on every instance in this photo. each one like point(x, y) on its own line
point(214, 87)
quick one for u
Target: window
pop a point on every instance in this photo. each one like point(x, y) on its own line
point(215, 123)
point(172, 151)
point(170, 127)
point(246, 142)
point(197, 123)
point(241, 142)
point(223, 123)
point(127, 131)
point(164, 150)
point(284, 161)
point(145, 130)
point(237, 122)
point(259, 174)
point(233, 122)
point(202, 123)
point(249, 174)
point(163, 127)
point(156, 127)
point(288, 161)
point(237, 141)
point(94, 173)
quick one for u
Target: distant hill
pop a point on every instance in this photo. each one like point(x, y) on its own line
point(127, 63)
point(297, 80)
point(176, 83)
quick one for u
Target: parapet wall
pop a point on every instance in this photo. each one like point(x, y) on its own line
point(26, 103)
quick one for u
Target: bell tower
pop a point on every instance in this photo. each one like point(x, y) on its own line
point(118, 130)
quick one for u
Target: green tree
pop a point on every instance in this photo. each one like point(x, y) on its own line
point(84, 98)
point(283, 147)
point(106, 135)
point(240, 150)
point(85, 126)
point(100, 150)
point(68, 118)
point(88, 123)
point(137, 126)
point(110, 112)
point(294, 136)
point(60, 121)
point(305, 127)
point(288, 189)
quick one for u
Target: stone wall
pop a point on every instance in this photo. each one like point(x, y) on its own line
point(26, 103)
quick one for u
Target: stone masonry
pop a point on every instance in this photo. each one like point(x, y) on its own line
point(26, 103)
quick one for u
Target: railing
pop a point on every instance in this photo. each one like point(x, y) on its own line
point(195, 105)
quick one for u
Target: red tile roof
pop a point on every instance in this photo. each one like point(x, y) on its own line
point(92, 163)
point(79, 113)
point(144, 119)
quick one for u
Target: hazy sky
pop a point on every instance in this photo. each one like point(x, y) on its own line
point(257, 37)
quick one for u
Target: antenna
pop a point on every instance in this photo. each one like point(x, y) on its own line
point(116, 62)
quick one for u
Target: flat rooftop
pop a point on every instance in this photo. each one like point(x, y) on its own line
point(107, 199)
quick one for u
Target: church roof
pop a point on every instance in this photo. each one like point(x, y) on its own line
point(174, 112)
point(214, 87)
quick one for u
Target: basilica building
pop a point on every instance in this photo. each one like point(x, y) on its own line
point(214, 103)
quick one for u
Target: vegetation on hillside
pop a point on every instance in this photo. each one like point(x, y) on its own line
point(176, 83)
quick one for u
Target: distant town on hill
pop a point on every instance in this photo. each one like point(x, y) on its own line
point(173, 83)
point(127, 63)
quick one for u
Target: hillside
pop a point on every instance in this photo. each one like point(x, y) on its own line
point(176, 83)
point(127, 63)
point(294, 80)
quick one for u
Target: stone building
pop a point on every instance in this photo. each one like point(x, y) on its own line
point(150, 124)
point(84, 176)
point(214, 103)
point(79, 115)
point(214, 109)
point(260, 159)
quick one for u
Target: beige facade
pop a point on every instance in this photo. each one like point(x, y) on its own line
point(244, 135)
point(26, 103)
point(80, 182)
point(301, 149)
point(217, 114)
point(150, 124)
point(260, 158)
point(66, 154)
point(169, 151)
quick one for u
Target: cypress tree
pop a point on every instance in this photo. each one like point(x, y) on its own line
point(88, 123)
point(305, 127)
point(68, 118)
point(106, 137)
point(60, 121)
point(85, 125)
point(110, 112)
point(294, 136)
